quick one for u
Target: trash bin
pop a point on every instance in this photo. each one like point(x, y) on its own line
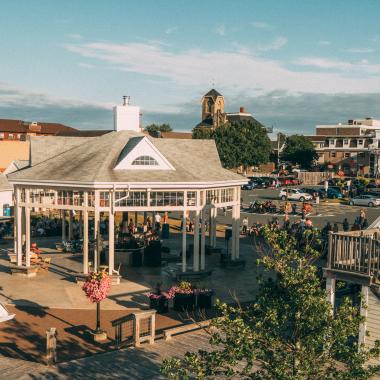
point(137, 257)
point(165, 231)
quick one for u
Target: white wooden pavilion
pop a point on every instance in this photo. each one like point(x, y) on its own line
point(125, 171)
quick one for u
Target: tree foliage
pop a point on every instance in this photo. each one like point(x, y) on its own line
point(239, 143)
point(290, 332)
point(299, 150)
point(155, 130)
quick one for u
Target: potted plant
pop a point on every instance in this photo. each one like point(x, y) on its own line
point(183, 296)
point(159, 300)
point(204, 297)
point(96, 288)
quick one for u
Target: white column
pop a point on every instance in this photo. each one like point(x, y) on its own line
point(184, 241)
point(233, 237)
point(18, 227)
point(80, 223)
point(363, 313)
point(63, 225)
point(27, 229)
point(330, 288)
point(210, 221)
point(111, 241)
point(237, 219)
point(214, 213)
point(85, 234)
point(96, 214)
point(71, 225)
point(196, 242)
point(203, 240)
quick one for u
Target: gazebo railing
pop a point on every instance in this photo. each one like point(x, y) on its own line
point(355, 252)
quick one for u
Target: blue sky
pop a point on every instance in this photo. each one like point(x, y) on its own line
point(293, 64)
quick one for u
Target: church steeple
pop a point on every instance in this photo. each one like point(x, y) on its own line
point(213, 107)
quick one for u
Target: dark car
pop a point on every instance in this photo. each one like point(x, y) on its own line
point(249, 186)
point(313, 191)
point(258, 182)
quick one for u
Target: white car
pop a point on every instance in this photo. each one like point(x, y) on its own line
point(294, 195)
point(365, 200)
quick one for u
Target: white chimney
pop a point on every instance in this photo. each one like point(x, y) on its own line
point(126, 117)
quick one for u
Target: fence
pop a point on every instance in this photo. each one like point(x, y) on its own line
point(135, 328)
point(356, 252)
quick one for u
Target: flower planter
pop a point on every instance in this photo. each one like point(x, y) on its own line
point(160, 304)
point(184, 302)
point(204, 300)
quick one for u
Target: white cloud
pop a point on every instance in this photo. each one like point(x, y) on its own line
point(86, 65)
point(276, 44)
point(220, 30)
point(171, 30)
point(261, 25)
point(324, 43)
point(238, 69)
point(362, 66)
point(360, 50)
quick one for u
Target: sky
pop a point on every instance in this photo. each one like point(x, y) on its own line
point(292, 64)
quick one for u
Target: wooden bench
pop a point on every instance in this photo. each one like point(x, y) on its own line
point(168, 334)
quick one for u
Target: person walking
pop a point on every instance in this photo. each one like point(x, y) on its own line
point(157, 222)
point(245, 225)
point(346, 225)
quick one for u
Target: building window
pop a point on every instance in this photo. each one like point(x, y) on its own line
point(361, 154)
point(227, 195)
point(347, 155)
point(104, 199)
point(321, 145)
point(145, 161)
point(345, 141)
point(166, 198)
point(10, 136)
point(360, 142)
point(333, 154)
point(332, 142)
point(1, 136)
point(129, 199)
point(191, 198)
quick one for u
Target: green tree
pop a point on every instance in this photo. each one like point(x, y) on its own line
point(155, 130)
point(299, 150)
point(239, 143)
point(290, 332)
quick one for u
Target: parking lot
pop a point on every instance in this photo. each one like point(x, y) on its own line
point(327, 211)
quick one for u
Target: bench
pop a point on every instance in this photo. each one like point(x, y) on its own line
point(168, 334)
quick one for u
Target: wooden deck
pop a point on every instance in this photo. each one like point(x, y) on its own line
point(355, 253)
point(130, 363)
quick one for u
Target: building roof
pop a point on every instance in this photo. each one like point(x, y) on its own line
point(20, 126)
point(93, 160)
point(316, 138)
point(213, 94)
point(4, 184)
point(176, 135)
point(84, 133)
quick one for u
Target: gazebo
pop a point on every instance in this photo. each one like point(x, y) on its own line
point(125, 171)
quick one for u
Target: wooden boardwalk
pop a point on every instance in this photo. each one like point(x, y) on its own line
point(130, 363)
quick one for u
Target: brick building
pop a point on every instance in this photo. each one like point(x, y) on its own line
point(353, 147)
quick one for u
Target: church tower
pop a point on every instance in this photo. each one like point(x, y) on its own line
point(213, 108)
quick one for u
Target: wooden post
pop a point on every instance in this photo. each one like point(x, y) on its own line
point(51, 346)
point(330, 288)
point(364, 313)
point(111, 242)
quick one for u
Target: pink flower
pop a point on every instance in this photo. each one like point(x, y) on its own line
point(97, 286)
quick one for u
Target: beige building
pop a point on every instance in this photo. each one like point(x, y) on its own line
point(353, 147)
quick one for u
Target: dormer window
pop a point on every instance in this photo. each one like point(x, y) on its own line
point(145, 161)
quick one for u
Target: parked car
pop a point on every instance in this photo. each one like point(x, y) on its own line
point(295, 195)
point(258, 182)
point(365, 200)
point(334, 193)
point(314, 190)
point(249, 186)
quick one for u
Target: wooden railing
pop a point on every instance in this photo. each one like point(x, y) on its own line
point(135, 328)
point(355, 252)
